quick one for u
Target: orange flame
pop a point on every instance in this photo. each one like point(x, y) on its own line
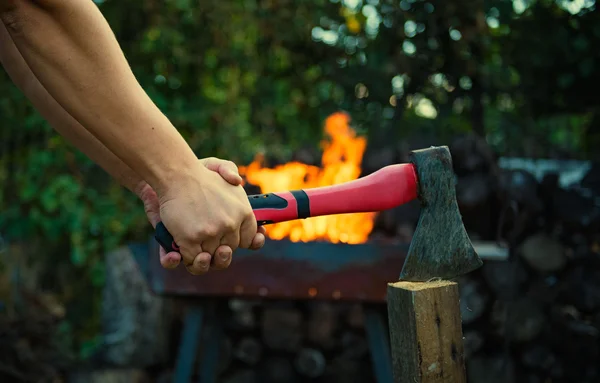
point(341, 160)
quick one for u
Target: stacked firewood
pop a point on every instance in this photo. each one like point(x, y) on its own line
point(295, 342)
point(536, 317)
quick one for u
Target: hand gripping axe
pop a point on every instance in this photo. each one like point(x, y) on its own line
point(440, 247)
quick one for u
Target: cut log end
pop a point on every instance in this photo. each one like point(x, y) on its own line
point(417, 286)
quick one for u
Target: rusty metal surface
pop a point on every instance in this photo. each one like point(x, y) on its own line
point(288, 270)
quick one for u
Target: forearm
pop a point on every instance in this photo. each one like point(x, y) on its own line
point(59, 119)
point(71, 50)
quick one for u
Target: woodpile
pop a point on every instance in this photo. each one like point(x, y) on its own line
point(535, 317)
point(295, 342)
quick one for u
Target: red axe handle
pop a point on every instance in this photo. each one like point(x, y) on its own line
point(386, 188)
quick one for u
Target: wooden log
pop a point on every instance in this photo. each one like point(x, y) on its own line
point(426, 332)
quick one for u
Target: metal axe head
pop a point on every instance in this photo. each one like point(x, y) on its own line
point(440, 247)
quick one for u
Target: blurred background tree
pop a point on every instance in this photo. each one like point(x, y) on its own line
point(242, 77)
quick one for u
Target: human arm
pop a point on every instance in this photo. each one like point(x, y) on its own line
point(73, 53)
point(61, 121)
point(219, 216)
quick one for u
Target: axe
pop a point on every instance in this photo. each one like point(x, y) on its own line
point(440, 247)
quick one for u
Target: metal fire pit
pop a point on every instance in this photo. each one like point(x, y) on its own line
point(292, 270)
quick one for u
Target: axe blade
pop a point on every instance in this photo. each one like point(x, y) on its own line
point(440, 247)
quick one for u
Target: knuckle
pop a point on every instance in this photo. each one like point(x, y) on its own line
point(246, 241)
point(203, 231)
point(232, 164)
point(187, 259)
point(230, 225)
point(251, 218)
point(210, 231)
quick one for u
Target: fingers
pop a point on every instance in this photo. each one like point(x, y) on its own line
point(232, 240)
point(222, 258)
point(200, 265)
point(258, 241)
point(210, 246)
point(247, 232)
point(226, 169)
point(169, 260)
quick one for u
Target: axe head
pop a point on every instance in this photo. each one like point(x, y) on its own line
point(440, 247)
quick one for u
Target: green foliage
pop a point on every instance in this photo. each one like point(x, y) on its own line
point(242, 77)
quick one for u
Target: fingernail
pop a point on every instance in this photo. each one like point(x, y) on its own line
point(203, 265)
point(224, 255)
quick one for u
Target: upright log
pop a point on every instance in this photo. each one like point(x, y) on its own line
point(426, 332)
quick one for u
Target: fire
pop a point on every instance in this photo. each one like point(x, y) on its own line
point(341, 160)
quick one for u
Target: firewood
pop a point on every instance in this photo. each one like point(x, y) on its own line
point(519, 321)
point(540, 358)
point(242, 376)
point(496, 368)
point(581, 287)
point(473, 190)
point(340, 370)
point(243, 313)
point(248, 350)
point(473, 341)
point(225, 355)
point(473, 299)
point(278, 369)
point(522, 187)
point(109, 375)
point(543, 253)
point(425, 332)
point(353, 346)
point(356, 316)
point(505, 279)
point(322, 324)
point(282, 328)
point(576, 209)
point(310, 362)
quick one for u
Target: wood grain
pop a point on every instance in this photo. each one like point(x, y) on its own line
point(426, 332)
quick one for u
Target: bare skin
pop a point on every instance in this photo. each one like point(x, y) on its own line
point(64, 57)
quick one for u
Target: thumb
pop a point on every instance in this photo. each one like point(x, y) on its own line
point(226, 169)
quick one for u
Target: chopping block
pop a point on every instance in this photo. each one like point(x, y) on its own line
point(426, 332)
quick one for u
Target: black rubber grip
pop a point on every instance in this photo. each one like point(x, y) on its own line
point(267, 201)
point(303, 203)
point(165, 238)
